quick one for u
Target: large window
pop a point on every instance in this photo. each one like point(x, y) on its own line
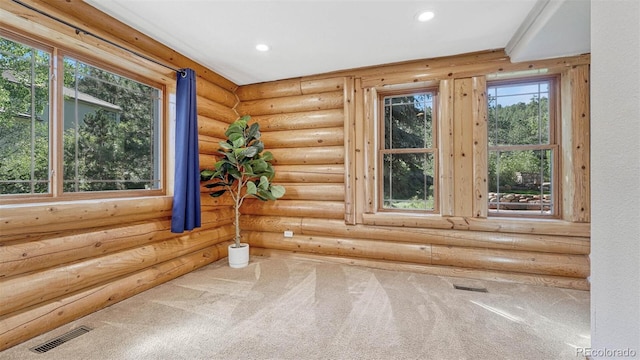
point(407, 152)
point(108, 126)
point(522, 148)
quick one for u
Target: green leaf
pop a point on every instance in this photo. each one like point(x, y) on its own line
point(260, 197)
point(251, 151)
point(233, 129)
point(242, 122)
point(225, 145)
point(259, 165)
point(238, 142)
point(266, 194)
point(259, 145)
point(231, 157)
point(269, 173)
point(267, 156)
point(264, 183)
point(248, 170)
point(217, 193)
point(206, 175)
point(254, 131)
point(235, 173)
point(251, 188)
point(220, 163)
point(277, 191)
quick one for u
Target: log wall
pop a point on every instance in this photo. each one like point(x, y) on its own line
point(323, 139)
point(62, 260)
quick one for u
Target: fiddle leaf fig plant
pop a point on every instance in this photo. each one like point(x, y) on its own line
point(244, 169)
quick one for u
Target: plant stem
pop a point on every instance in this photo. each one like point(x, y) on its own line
point(238, 201)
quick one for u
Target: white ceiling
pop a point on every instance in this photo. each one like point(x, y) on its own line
point(315, 36)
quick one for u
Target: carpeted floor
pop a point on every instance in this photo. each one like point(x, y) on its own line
point(288, 308)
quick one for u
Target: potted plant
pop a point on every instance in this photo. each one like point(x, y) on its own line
point(243, 170)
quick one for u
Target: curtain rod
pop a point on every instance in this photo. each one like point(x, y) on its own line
point(81, 30)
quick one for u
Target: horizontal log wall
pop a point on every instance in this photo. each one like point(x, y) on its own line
point(302, 124)
point(324, 159)
point(63, 260)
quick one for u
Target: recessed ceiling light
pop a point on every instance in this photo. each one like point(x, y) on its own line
point(262, 47)
point(426, 16)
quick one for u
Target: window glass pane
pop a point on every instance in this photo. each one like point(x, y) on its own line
point(408, 181)
point(24, 119)
point(519, 114)
point(408, 121)
point(111, 131)
point(521, 181)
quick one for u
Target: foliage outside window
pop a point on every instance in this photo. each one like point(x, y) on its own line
point(408, 152)
point(522, 148)
point(24, 119)
point(111, 132)
point(109, 128)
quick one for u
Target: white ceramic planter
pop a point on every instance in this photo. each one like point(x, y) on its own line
point(239, 257)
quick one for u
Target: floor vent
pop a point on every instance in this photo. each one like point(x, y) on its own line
point(468, 288)
point(53, 343)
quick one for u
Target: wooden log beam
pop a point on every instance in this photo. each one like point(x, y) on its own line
point(512, 261)
point(303, 138)
point(213, 110)
point(87, 213)
point(305, 208)
point(446, 144)
point(460, 238)
point(23, 325)
point(497, 57)
point(290, 104)
point(309, 173)
point(479, 116)
point(22, 257)
point(317, 86)
point(501, 225)
point(277, 224)
point(271, 89)
point(463, 148)
point(314, 191)
point(289, 87)
point(213, 92)
point(23, 291)
point(206, 161)
point(208, 145)
point(309, 156)
point(211, 127)
point(576, 188)
point(474, 69)
point(450, 271)
point(360, 157)
point(491, 259)
point(300, 120)
point(209, 203)
point(414, 253)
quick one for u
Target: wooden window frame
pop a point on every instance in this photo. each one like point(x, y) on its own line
point(56, 150)
point(555, 133)
point(380, 151)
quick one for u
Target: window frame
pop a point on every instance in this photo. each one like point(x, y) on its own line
point(434, 149)
point(56, 119)
point(555, 141)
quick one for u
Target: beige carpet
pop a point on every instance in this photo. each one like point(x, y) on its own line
point(287, 308)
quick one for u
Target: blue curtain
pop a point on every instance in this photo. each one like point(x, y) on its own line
point(186, 192)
